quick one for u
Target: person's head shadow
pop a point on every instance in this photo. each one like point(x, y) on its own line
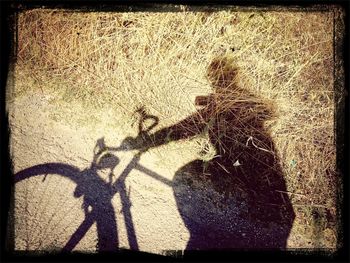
point(238, 199)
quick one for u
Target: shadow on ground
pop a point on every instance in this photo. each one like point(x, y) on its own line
point(238, 199)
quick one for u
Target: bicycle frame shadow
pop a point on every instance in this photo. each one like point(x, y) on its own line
point(97, 198)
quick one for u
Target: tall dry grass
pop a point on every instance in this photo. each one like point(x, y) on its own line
point(159, 59)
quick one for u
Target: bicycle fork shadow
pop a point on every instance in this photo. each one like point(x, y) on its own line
point(97, 204)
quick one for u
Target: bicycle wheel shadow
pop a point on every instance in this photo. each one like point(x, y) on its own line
point(97, 195)
point(238, 199)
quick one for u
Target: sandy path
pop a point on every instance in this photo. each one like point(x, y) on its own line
point(47, 213)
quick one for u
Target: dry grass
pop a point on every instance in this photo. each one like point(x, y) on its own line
point(160, 60)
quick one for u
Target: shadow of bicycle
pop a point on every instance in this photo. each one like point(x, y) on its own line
point(97, 194)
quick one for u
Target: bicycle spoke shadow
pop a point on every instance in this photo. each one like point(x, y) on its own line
point(97, 197)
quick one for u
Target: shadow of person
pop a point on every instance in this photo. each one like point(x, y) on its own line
point(238, 199)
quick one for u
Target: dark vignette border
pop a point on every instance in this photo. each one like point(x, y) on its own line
point(7, 57)
point(8, 46)
point(341, 88)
